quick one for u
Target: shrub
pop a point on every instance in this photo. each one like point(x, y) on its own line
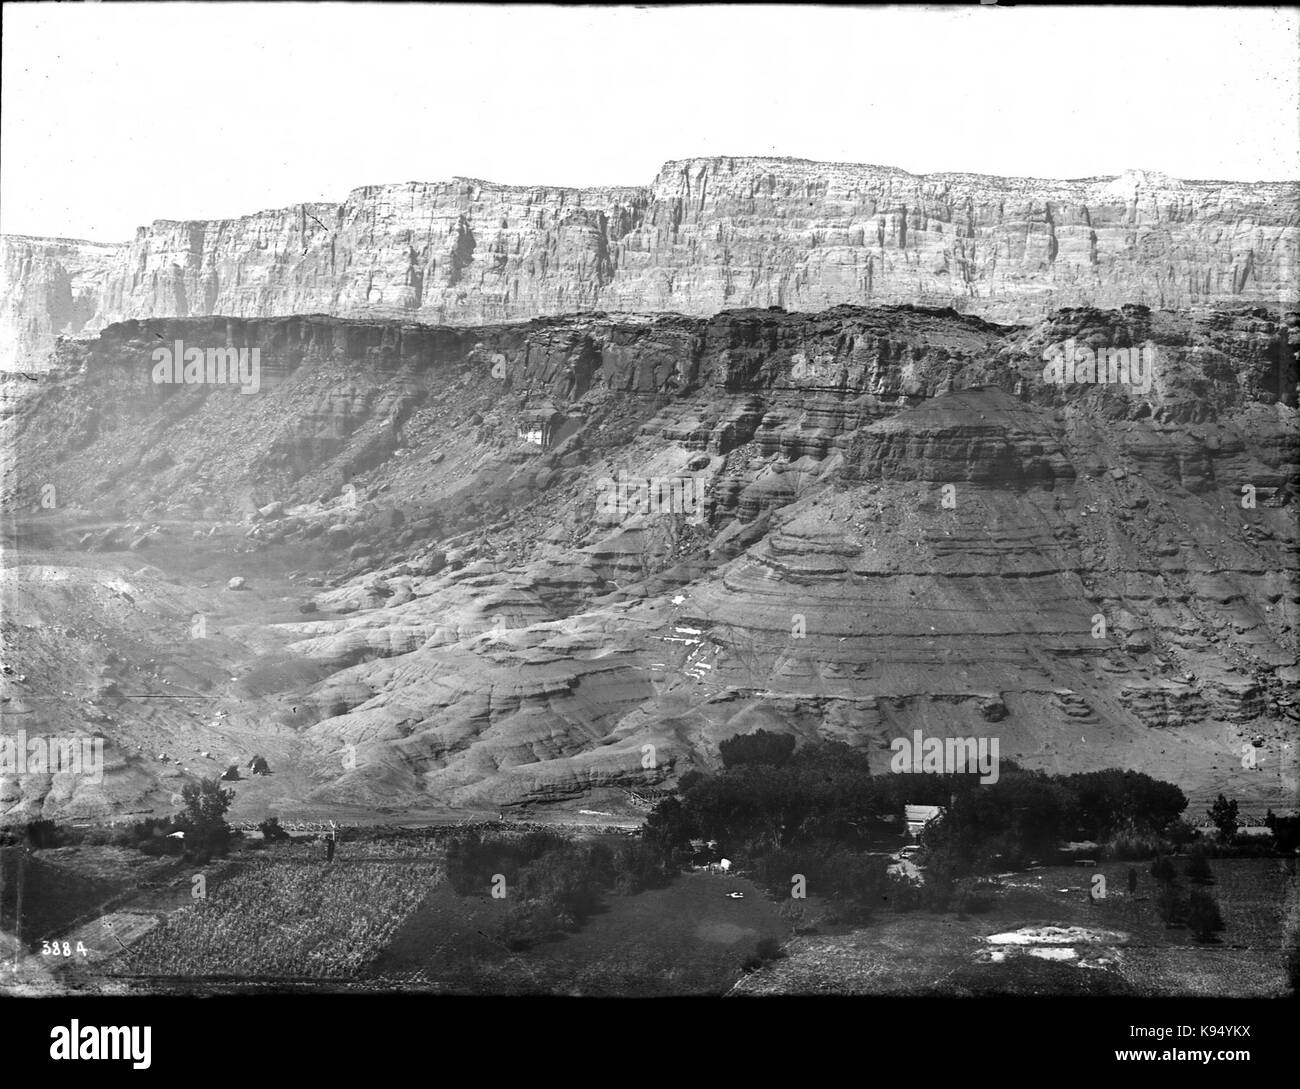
point(1286, 833)
point(1203, 915)
point(43, 834)
point(525, 924)
point(1163, 870)
point(1198, 868)
point(565, 883)
point(1180, 833)
point(1170, 904)
point(141, 832)
point(637, 866)
point(1131, 846)
point(767, 949)
point(795, 912)
point(474, 857)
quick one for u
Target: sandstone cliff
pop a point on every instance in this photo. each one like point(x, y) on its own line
point(904, 527)
point(705, 235)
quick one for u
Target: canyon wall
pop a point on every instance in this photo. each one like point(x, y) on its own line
point(901, 526)
point(704, 236)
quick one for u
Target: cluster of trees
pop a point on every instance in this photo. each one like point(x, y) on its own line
point(1024, 815)
point(783, 810)
point(551, 884)
point(770, 796)
point(202, 820)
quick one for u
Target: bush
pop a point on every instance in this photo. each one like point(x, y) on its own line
point(637, 866)
point(1203, 915)
point(1131, 846)
point(1170, 904)
point(795, 912)
point(767, 949)
point(1286, 833)
point(1163, 870)
point(567, 882)
point(1198, 868)
point(474, 857)
point(44, 834)
point(1180, 833)
point(271, 830)
point(141, 832)
point(528, 923)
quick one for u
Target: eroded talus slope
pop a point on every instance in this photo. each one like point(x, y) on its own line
point(904, 527)
point(704, 235)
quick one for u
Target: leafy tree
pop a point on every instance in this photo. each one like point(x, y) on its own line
point(203, 820)
point(823, 791)
point(1203, 915)
point(1022, 814)
point(1223, 815)
point(1108, 800)
point(668, 831)
point(760, 747)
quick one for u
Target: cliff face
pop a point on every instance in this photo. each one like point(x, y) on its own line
point(50, 286)
point(706, 235)
point(904, 527)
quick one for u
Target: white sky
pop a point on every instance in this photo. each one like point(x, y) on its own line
point(116, 115)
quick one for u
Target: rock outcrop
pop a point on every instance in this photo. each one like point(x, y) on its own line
point(902, 526)
point(705, 235)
